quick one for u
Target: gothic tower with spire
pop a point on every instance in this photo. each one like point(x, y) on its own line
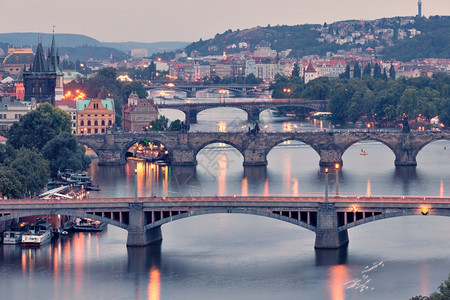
point(43, 81)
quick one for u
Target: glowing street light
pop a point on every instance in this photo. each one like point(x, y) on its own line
point(337, 166)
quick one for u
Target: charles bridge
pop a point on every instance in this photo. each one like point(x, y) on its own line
point(183, 147)
point(252, 108)
point(143, 217)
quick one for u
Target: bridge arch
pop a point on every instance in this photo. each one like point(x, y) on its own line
point(90, 146)
point(402, 213)
point(232, 211)
point(130, 143)
point(70, 213)
point(275, 143)
point(369, 138)
point(432, 140)
point(218, 140)
point(178, 111)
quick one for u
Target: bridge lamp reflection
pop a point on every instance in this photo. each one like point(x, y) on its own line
point(326, 184)
point(424, 211)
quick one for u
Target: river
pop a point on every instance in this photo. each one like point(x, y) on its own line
point(243, 256)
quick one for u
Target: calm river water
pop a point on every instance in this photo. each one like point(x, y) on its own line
point(243, 256)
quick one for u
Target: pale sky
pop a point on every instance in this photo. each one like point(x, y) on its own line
point(190, 20)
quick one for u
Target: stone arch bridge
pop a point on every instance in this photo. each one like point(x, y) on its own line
point(252, 108)
point(254, 147)
point(143, 217)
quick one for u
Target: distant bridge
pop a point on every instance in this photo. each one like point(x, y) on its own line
point(254, 147)
point(143, 217)
point(252, 108)
point(240, 90)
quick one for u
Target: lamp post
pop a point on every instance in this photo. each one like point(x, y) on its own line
point(135, 185)
point(326, 184)
point(337, 166)
point(151, 179)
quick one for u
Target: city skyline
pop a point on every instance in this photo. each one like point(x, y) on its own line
point(189, 21)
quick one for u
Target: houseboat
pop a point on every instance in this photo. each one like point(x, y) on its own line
point(14, 233)
point(38, 234)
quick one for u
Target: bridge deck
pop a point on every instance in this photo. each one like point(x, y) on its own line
point(237, 200)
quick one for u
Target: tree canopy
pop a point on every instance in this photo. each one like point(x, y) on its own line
point(38, 127)
point(64, 152)
point(379, 99)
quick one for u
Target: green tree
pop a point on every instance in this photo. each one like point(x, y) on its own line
point(64, 152)
point(377, 72)
point(296, 70)
point(356, 71)
point(367, 71)
point(36, 128)
point(175, 125)
point(33, 169)
point(160, 124)
point(392, 72)
point(346, 74)
point(10, 186)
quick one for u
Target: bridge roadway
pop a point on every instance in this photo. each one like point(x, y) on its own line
point(143, 217)
point(241, 90)
point(252, 108)
point(183, 147)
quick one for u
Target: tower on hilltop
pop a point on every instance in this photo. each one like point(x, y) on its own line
point(419, 7)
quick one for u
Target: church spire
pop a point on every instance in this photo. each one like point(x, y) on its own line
point(53, 57)
point(39, 64)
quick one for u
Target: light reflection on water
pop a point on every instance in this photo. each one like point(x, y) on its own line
point(243, 256)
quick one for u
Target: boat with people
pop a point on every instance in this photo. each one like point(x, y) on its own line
point(13, 235)
point(86, 224)
point(38, 234)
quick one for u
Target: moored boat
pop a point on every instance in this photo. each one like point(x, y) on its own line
point(14, 233)
point(82, 224)
point(38, 234)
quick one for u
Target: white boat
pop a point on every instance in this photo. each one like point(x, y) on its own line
point(14, 234)
point(38, 234)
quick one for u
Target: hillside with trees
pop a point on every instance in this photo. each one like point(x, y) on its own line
point(306, 39)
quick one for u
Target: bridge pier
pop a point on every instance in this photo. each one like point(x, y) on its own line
point(328, 235)
point(405, 157)
point(255, 157)
point(137, 235)
point(192, 116)
point(328, 158)
point(253, 115)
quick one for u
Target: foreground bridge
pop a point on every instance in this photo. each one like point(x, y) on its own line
point(143, 217)
point(254, 147)
point(252, 108)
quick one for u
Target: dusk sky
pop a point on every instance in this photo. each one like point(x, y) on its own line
point(153, 21)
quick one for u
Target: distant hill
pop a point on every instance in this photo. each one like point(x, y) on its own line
point(80, 47)
point(151, 47)
point(19, 39)
point(305, 39)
